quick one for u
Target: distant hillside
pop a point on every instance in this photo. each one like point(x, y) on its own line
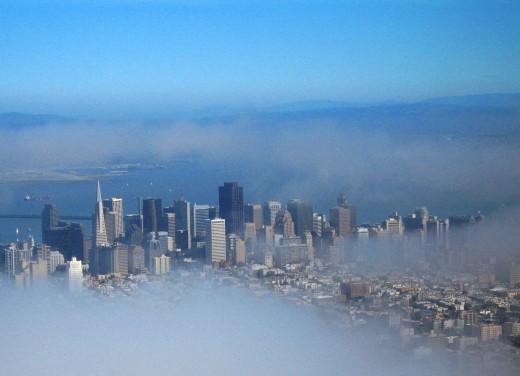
point(417, 118)
point(17, 119)
point(490, 100)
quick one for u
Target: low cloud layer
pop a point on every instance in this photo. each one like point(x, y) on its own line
point(309, 159)
point(206, 331)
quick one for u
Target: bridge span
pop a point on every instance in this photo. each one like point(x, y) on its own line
point(38, 216)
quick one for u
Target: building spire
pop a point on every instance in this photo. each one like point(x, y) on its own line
point(98, 192)
point(99, 231)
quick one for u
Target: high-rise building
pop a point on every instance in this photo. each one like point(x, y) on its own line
point(75, 275)
point(270, 209)
point(393, 224)
point(236, 249)
point(215, 240)
point(284, 224)
point(13, 259)
point(109, 259)
point(54, 258)
point(182, 222)
point(302, 216)
point(50, 219)
point(110, 225)
point(339, 218)
point(161, 265)
point(115, 205)
point(69, 239)
point(200, 214)
point(231, 205)
point(319, 221)
point(169, 219)
point(99, 232)
point(253, 214)
point(134, 229)
point(152, 215)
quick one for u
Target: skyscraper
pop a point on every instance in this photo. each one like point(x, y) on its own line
point(99, 232)
point(200, 214)
point(253, 214)
point(115, 205)
point(50, 219)
point(340, 219)
point(231, 204)
point(215, 240)
point(75, 275)
point(270, 209)
point(302, 216)
point(182, 222)
point(152, 215)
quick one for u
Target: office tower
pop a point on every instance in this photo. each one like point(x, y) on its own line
point(393, 224)
point(200, 214)
point(215, 240)
point(169, 219)
point(134, 219)
point(343, 203)
point(253, 214)
point(69, 239)
point(166, 241)
point(152, 215)
point(182, 223)
point(134, 229)
point(270, 209)
point(214, 212)
point(99, 232)
point(416, 221)
point(136, 258)
point(75, 275)
point(250, 236)
point(110, 259)
point(318, 223)
point(115, 205)
point(339, 218)
point(110, 225)
point(231, 205)
point(50, 219)
point(302, 215)
point(54, 258)
point(41, 251)
point(284, 224)
point(236, 249)
point(13, 259)
point(161, 265)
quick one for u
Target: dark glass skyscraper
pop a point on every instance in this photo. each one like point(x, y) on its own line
point(152, 215)
point(302, 216)
point(231, 205)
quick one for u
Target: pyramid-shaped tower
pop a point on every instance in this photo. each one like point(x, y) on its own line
point(99, 231)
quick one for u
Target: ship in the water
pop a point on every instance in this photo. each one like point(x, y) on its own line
point(36, 198)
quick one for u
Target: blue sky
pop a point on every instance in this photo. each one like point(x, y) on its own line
point(116, 57)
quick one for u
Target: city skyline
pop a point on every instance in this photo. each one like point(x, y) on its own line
point(378, 139)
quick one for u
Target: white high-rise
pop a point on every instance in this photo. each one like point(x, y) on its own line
point(215, 240)
point(75, 274)
point(54, 258)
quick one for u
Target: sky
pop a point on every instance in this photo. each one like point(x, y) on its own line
point(140, 58)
